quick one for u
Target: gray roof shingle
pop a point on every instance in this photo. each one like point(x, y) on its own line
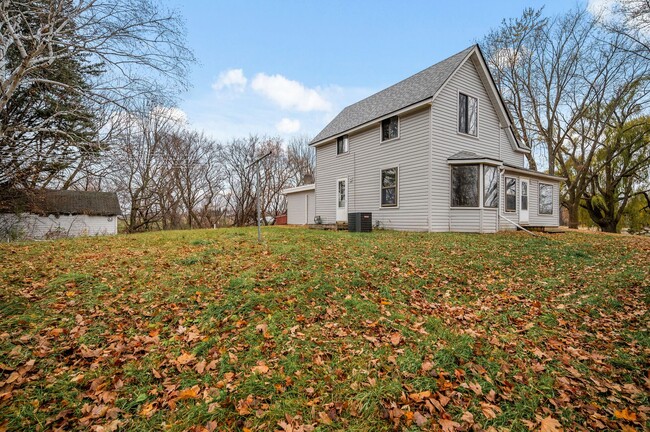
point(412, 90)
point(47, 201)
point(468, 155)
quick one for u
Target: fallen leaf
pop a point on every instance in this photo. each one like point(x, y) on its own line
point(468, 417)
point(448, 425)
point(200, 366)
point(148, 410)
point(626, 415)
point(549, 424)
point(261, 368)
point(324, 418)
point(419, 419)
point(189, 393)
point(185, 358)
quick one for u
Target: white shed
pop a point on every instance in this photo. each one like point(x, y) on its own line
point(301, 204)
point(46, 213)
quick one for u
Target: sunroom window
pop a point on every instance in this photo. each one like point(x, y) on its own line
point(490, 186)
point(465, 185)
point(511, 194)
point(545, 199)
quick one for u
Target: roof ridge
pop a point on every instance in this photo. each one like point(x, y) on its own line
point(413, 89)
point(411, 76)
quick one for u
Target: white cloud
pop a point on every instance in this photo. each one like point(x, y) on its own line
point(603, 9)
point(287, 126)
point(232, 78)
point(289, 94)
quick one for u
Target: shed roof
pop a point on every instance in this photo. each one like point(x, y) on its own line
point(48, 201)
point(419, 87)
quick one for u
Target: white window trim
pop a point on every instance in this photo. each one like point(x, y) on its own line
point(337, 145)
point(539, 197)
point(399, 183)
point(399, 130)
point(505, 194)
point(478, 114)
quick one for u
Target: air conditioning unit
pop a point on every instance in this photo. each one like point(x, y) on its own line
point(360, 222)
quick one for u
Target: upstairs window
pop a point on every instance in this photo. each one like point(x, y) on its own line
point(511, 194)
point(465, 185)
point(467, 114)
point(389, 187)
point(342, 144)
point(390, 128)
point(545, 199)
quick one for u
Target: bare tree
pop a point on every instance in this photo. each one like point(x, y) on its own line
point(141, 173)
point(111, 51)
point(236, 156)
point(630, 19)
point(301, 159)
point(559, 77)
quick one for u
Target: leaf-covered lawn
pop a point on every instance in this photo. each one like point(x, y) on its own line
point(315, 330)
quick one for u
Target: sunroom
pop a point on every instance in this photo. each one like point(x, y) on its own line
point(474, 192)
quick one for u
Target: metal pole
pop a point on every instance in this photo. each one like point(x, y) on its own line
point(257, 195)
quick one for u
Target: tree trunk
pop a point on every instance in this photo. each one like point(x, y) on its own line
point(574, 213)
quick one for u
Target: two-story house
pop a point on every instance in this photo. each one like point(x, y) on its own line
point(434, 152)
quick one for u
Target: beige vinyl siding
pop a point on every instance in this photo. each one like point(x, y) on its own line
point(446, 141)
point(301, 207)
point(508, 155)
point(473, 220)
point(537, 219)
point(32, 226)
point(362, 166)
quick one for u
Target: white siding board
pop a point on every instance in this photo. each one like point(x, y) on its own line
point(362, 166)
point(542, 220)
point(300, 207)
point(446, 141)
point(33, 226)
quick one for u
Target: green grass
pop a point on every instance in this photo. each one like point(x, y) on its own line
point(326, 330)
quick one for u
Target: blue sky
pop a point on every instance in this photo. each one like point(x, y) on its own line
point(287, 67)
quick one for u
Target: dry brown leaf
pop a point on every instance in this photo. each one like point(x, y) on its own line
point(448, 425)
point(189, 393)
point(488, 410)
point(395, 338)
point(200, 366)
point(324, 418)
point(468, 417)
point(549, 424)
point(476, 388)
point(261, 368)
point(419, 419)
point(418, 397)
point(185, 358)
point(625, 415)
point(148, 410)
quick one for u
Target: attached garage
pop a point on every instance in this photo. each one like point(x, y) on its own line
point(301, 204)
